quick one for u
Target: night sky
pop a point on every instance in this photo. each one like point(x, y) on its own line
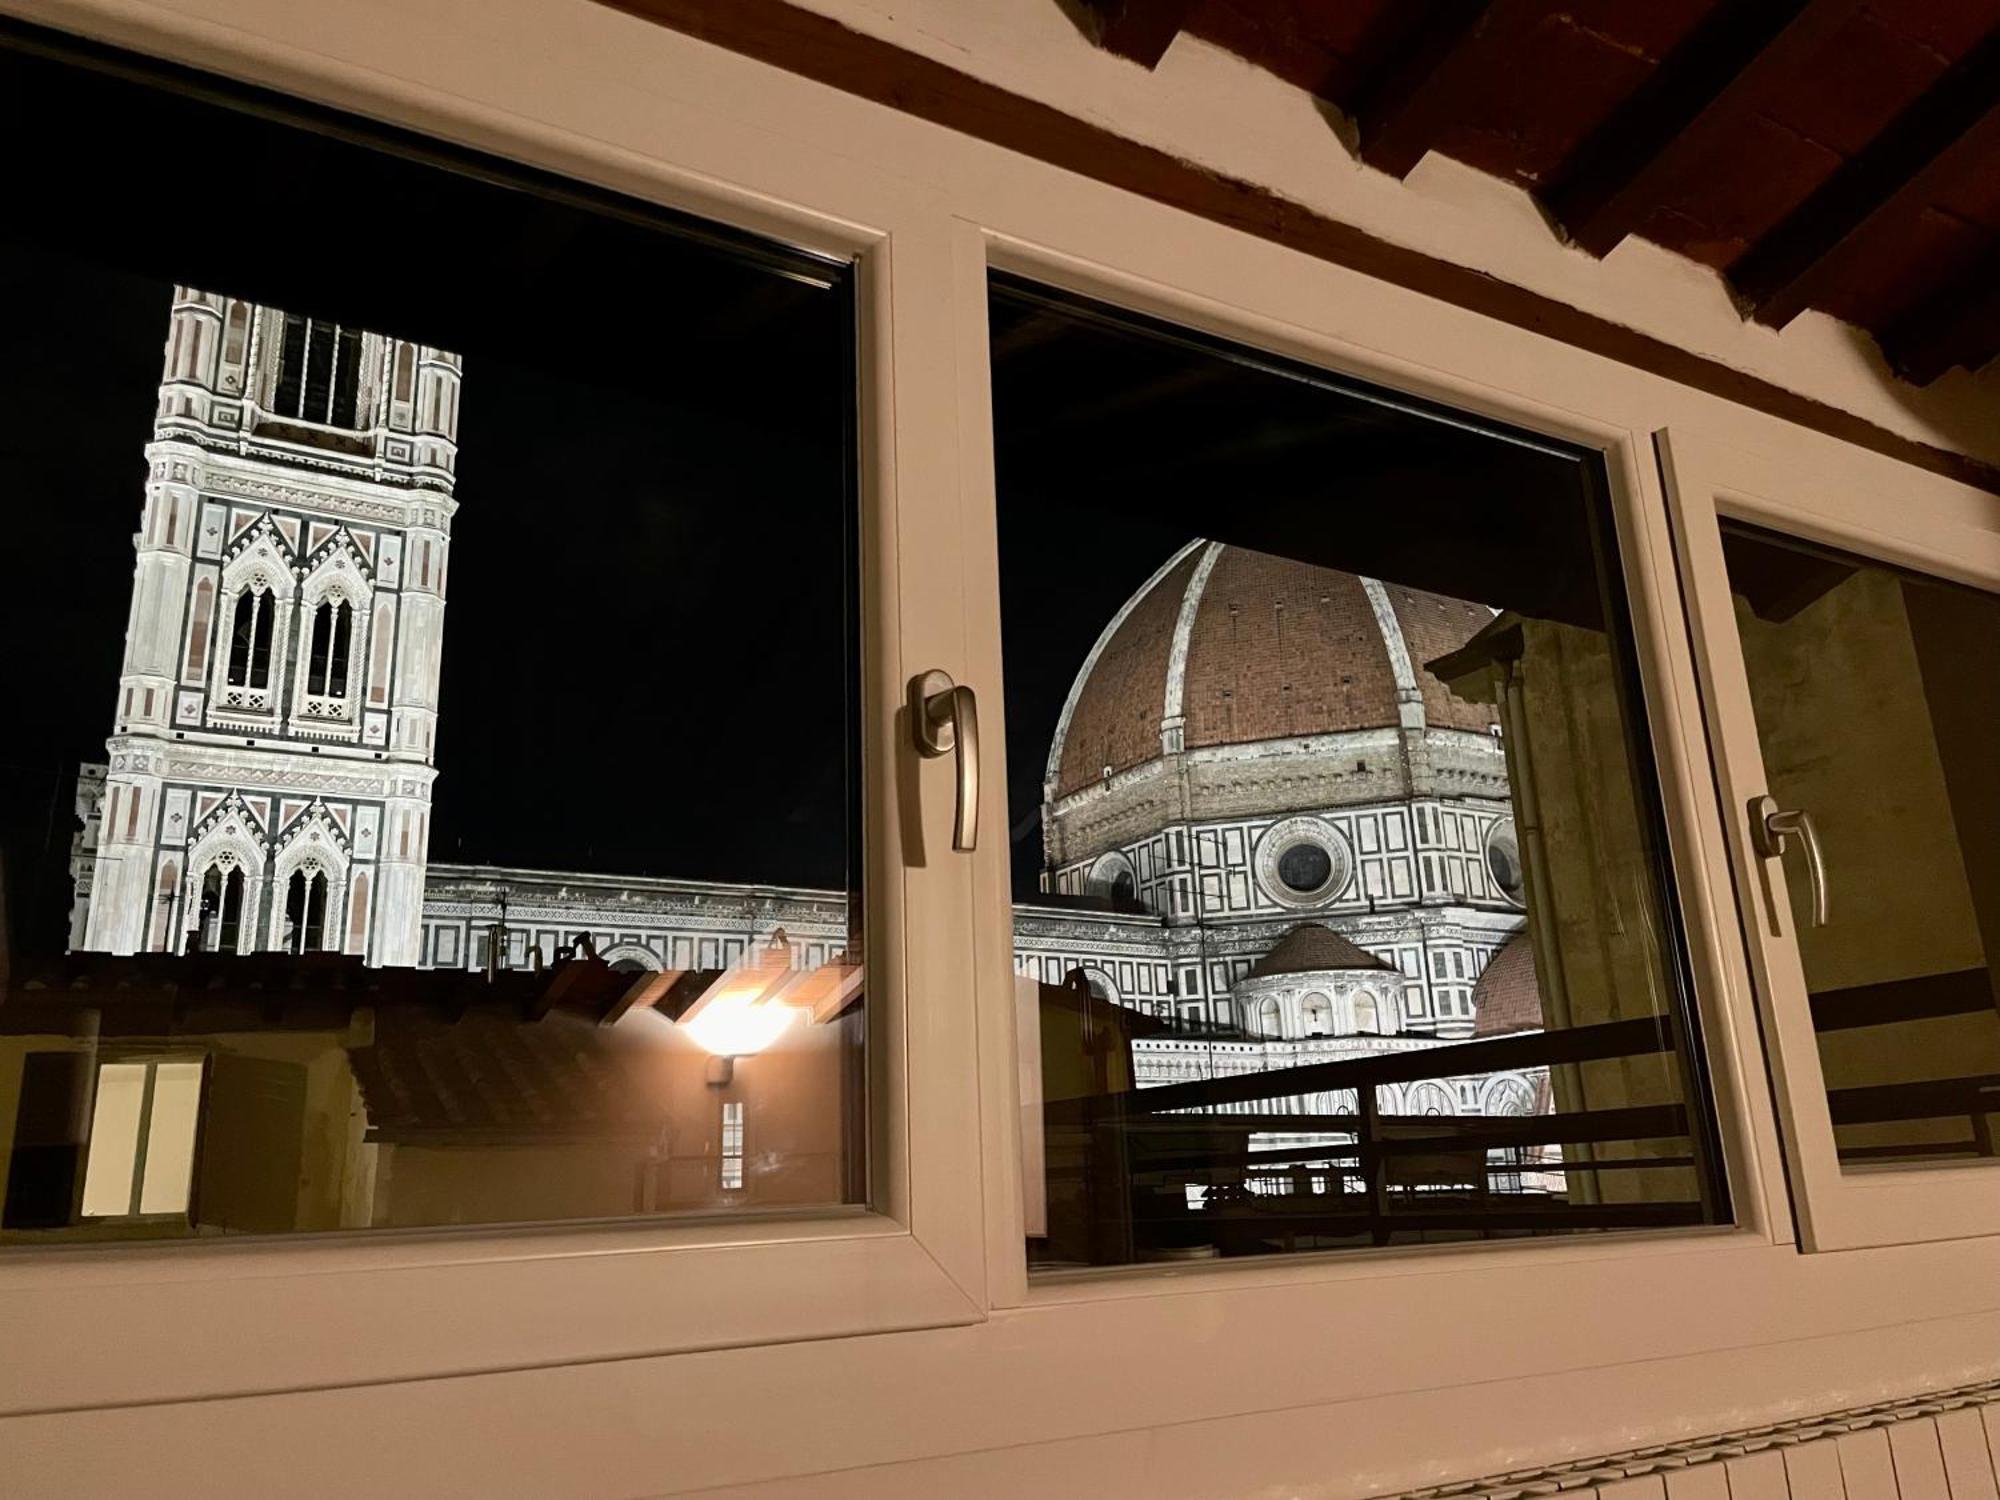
point(648, 642)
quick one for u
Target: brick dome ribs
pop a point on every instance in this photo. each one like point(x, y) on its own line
point(1225, 647)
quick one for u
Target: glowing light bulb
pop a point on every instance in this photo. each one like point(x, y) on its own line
point(731, 1027)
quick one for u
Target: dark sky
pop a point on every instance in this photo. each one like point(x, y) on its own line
point(1117, 440)
point(648, 644)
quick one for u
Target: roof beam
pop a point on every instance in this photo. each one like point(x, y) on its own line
point(1949, 135)
point(1426, 83)
point(1694, 100)
point(1141, 30)
point(1958, 325)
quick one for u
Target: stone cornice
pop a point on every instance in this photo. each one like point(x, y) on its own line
point(234, 476)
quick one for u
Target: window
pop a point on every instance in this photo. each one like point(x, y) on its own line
point(731, 1178)
point(1503, 861)
point(218, 924)
point(142, 1134)
point(319, 365)
point(1303, 862)
point(236, 333)
point(1240, 628)
point(351, 760)
point(332, 626)
point(1304, 868)
point(1862, 677)
point(305, 911)
point(406, 365)
point(253, 622)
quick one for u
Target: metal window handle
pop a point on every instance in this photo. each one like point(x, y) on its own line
point(945, 718)
point(1771, 828)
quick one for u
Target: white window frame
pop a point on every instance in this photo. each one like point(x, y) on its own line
point(205, 1319)
point(1199, 1378)
point(133, 1212)
point(1937, 527)
point(1250, 311)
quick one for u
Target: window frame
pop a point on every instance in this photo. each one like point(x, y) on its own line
point(1937, 527)
point(151, 1061)
point(1160, 278)
point(203, 1319)
point(1237, 1384)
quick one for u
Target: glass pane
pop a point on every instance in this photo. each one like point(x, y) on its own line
point(406, 543)
point(1877, 698)
point(1341, 911)
point(170, 1135)
point(114, 1139)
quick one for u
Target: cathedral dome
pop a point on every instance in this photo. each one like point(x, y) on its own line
point(1230, 647)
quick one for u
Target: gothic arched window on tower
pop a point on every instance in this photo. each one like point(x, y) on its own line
point(336, 666)
point(236, 333)
point(406, 371)
point(222, 904)
point(250, 627)
point(319, 641)
point(332, 635)
point(319, 368)
point(260, 645)
point(305, 912)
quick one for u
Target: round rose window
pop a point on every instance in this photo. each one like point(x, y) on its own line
point(1303, 862)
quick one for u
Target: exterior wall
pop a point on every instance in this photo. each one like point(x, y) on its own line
point(1203, 105)
point(1420, 896)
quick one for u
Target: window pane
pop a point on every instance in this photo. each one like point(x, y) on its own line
point(114, 1139)
point(1342, 913)
point(170, 1135)
point(399, 786)
point(1878, 710)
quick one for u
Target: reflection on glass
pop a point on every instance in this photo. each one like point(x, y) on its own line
point(1877, 698)
point(377, 849)
point(1341, 914)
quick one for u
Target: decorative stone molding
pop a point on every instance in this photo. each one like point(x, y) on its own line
point(1313, 833)
point(1638, 1462)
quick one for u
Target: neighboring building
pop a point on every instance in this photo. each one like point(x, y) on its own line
point(1264, 819)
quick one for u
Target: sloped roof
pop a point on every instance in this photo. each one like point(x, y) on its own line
point(1310, 948)
point(489, 1073)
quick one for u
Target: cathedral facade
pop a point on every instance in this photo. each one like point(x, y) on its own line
point(1265, 824)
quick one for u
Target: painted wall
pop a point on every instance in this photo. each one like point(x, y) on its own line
point(1209, 107)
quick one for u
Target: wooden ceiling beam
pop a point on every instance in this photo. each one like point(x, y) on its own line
point(1950, 134)
point(1423, 87)
point(1694, 101)
point(1141, 30)
point(1958, 325)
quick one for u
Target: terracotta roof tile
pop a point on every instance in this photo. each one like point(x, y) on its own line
point(1283, 648)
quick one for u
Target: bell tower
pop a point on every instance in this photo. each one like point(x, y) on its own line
point(270, 764)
